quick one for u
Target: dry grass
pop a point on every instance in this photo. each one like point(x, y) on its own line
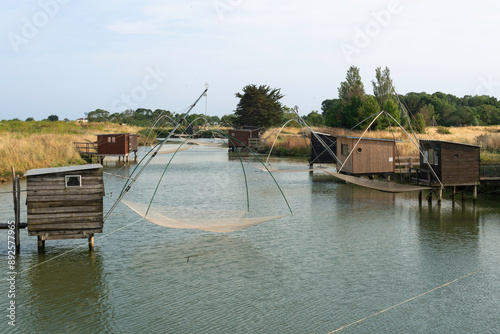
point(28, 148)
point(38, 151)
point(488, 137)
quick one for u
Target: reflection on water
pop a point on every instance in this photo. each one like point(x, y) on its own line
point(66, 295)
point(345, 254)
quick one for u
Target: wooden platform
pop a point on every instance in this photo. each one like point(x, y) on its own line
point(385, 186)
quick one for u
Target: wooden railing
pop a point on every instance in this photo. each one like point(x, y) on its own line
point(86, 148)
point(404, 164)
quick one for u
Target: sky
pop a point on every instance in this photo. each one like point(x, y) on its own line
point(70, 57)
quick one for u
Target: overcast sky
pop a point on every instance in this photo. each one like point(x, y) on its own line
point(68, 57)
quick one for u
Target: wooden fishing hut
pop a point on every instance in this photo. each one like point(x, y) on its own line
point(319, 153)
point(455, 164)
point(65, 202)
point(242, 138)
point(117, 145)
point(366, 156)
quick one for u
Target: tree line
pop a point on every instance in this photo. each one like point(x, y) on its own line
point(353, 105)
point(146, 117)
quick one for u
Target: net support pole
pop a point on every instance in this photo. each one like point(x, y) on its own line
point(128, 185)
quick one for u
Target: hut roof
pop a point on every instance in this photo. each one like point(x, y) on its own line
point(367, 138)
point(449, 142)
point(52, 170)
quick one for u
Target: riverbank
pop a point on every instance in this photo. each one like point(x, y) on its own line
point(28, 145)
point(291, 142)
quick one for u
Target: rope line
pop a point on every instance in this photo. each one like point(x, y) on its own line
point(78, 247)
point(403, 302)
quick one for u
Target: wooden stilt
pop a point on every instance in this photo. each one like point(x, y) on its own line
point(41, 243)
point(18, 215)
point(420, 197)
point(91, 241)
point(440, 195)
point(474, 196)
point(16, 194)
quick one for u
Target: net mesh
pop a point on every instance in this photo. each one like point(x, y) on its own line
point(201, 219)
point(277, 170)
point(384, 186)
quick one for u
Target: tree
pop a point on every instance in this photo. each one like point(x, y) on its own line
point(259, 106)
point(353, 86)
point(29, 119)
point(428, 114)
point(98, 115)
point(368, 108)
point(351, 95)
point(419, 125)
point(382, 86)
point(392, 109)
point(350, 113)
point(53, 118)
point(314, 118)
point(229, 120)
point(332, 112)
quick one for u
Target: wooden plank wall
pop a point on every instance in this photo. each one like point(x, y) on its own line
point(120, 146)
point(459, 164)
point(373, 158)
point(318, 152)
point(65, 212)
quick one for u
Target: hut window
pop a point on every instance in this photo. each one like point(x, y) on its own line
point(72, 181)
point(430, 156)
point(360, 149)
point(111, 139)
point(436, 158)
point(456, 156)
point(344, 149)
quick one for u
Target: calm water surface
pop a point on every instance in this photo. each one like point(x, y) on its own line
point(346, 254)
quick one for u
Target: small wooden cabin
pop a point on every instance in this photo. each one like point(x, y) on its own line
point(371, 156)
point(239, 138)
point(455, 164)
point(65, 202)
point(319, 154)
point(116, 144)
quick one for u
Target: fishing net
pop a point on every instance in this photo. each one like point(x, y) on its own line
point(201, 219)
point(277, 170)
point(389, 187)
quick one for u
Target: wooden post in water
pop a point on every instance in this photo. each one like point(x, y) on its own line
point(16, 194)
point(40, 243)
point(474, 195)
point(409, 172)
point(91, 241)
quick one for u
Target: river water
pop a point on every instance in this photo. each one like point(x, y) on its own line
point(349, 259)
